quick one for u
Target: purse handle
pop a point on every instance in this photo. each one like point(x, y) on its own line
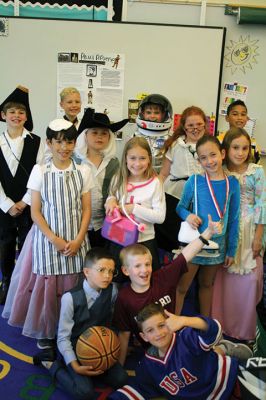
point(141, 226)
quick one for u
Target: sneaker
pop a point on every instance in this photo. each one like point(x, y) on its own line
point(238, 350)
point(48, 355)
point(43, 344)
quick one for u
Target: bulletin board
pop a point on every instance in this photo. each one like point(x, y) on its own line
point(184, 63)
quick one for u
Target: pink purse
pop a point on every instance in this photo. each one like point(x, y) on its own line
point(121, 229)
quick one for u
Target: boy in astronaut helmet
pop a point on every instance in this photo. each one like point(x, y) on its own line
point(154, 122)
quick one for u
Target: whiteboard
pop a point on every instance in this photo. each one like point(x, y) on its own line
point(184, 63)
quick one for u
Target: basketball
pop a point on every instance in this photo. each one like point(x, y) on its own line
point(98, 347)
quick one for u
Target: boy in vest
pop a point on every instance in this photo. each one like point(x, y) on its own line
point(86, 305)
point(20, 150)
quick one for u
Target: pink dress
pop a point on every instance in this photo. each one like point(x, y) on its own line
point(28, 304)
point(238, 289)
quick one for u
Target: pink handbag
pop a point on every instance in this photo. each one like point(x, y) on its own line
point(121, 229)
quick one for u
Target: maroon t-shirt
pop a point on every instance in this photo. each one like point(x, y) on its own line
point(162, 289)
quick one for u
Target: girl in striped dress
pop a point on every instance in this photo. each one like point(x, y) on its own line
point(60, 209)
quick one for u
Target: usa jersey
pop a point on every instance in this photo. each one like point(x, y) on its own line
point(190, 369)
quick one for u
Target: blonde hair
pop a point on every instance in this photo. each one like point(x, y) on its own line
point(119, 183)
point(136, 249)
point(67, 91)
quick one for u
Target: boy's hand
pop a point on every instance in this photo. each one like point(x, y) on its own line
point(21, 205)
point(213, 228)
point(14, 211)
point(110, 205)
point(72, 248)
point(85, 370)
point(194, 221)
point(174, 322)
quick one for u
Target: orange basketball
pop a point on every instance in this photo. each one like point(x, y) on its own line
point(98, 347)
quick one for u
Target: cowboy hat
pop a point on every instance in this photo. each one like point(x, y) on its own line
point(92, 119)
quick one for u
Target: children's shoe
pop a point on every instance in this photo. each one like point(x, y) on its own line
point(43, 344)
point(3, 292)
point(48, 355)
point(238, 350)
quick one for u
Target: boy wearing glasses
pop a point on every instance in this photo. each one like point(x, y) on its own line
point(87, 305)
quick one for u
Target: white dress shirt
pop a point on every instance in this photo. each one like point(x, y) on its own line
point(12, 151)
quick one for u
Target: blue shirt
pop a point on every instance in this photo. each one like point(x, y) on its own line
point(206, 206)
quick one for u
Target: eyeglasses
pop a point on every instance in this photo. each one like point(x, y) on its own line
point(104, 271)
point(191, 128)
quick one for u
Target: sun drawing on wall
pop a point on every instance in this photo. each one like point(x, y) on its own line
point(242, 54)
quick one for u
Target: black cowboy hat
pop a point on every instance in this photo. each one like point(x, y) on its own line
point(92, 119)
point(20, 95)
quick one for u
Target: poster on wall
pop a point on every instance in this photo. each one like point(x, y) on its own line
point(232, 91)
point(99, 77)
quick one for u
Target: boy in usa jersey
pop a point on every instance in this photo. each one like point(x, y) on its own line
point(181, 362)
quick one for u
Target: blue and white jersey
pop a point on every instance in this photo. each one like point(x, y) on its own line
point(190, 369)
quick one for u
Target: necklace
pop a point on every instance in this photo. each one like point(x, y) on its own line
point(214, 199)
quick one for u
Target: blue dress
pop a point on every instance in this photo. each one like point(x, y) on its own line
point(228, 239)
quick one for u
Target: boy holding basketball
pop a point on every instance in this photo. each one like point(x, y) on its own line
point(146, 287)
point(87, 305)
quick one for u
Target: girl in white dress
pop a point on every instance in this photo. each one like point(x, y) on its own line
point(139, 188)
point(180, 162)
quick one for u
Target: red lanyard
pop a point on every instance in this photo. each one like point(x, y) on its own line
point(219, 212)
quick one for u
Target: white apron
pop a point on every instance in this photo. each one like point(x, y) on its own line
point(62, 210)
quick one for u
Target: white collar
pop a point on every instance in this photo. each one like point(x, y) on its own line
point(25, 132)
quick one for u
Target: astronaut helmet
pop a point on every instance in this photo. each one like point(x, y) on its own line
point(154, 116)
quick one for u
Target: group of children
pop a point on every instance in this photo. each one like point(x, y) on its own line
point(215, 188)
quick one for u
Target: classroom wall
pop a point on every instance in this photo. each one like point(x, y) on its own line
point(35, 44)
point(254, 77)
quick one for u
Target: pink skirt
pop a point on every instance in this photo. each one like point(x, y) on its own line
point(33, 302)
point(234, 301)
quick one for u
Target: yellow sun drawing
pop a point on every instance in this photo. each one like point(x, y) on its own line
point(241, 54)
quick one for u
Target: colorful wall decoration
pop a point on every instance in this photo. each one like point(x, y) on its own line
point(61, 9)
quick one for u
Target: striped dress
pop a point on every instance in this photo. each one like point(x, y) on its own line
point(42, 274)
